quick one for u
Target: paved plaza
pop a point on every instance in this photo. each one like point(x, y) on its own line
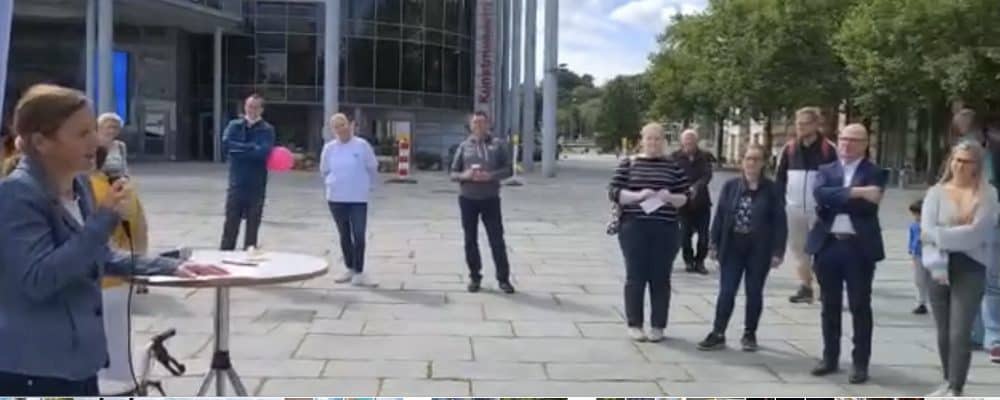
point(421, 334)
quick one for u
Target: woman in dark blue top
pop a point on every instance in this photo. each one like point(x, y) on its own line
point(748, 239)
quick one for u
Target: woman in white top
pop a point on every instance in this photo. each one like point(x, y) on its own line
point(349, 170)
point(958, 224)
point(109, 126)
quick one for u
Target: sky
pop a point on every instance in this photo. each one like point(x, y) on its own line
point(606, 38)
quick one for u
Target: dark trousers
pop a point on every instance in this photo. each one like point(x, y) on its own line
point(741, 258)
point(240, 206)
point(23, 385)
point(489, 211)
point(839, 263)
point(649, 247)
point(351, 220)
point(955, 307)
point(695, 222)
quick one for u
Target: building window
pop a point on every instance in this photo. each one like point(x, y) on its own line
point(270, 24)
point(361, 9)
point(413, 67)
point(451, 11)
point(239, 60)
point(302, 50)
point(271, 42)
point(413, 12)
point(387, 65)
point(432, 68)
point(390, 11)
point(449, 70)
point(272, 68)
point(360, 62)
point(434, 14)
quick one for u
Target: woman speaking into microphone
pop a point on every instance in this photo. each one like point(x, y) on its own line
point(54, 251)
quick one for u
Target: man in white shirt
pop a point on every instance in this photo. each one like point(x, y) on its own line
point(846, 242)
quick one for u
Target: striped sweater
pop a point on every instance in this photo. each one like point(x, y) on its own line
point(637, 173)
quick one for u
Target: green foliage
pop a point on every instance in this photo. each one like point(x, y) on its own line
point(619, 116)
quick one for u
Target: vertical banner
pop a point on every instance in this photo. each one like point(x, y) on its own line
point(485, 48)
point(6, 20)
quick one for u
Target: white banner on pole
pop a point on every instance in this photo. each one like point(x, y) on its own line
point(6, 20)
point(485, 48)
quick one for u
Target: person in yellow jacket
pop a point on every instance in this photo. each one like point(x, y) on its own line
point(138, 242)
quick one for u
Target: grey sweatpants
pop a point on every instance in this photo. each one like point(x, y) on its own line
point(955, 307)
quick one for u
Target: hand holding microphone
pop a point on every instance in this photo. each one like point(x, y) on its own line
point(117, 197)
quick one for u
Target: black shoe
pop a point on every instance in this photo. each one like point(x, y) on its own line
point(859, 375)
point(699, 268)
point(804, 295)
point(689, 267)
point(749, 342)
point(474, 286)
point(506, 287)
point(920, 310)
point(713, 341)
point(824, 368)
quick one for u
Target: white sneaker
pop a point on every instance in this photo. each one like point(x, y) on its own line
point(361, 280)
point(637, 334)
point(942, 391)
point(656, 335)
point(347, 276)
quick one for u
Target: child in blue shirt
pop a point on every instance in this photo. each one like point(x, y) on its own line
point(919, 278)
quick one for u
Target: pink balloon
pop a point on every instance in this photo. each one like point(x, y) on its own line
point(281, 159)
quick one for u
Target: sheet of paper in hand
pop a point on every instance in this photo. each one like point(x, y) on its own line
point(651, 204)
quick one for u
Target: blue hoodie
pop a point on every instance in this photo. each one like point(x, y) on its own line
point(248, 147)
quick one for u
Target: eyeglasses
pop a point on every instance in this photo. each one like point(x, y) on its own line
point(753, 158)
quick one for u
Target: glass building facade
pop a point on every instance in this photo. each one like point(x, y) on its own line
point(400, 59)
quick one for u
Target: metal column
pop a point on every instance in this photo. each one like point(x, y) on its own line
point(515, 69)
point(217, 96)
point(331, 61)
point(528, 119)
point(91, 47)
point(549, 88)
point(105, 44)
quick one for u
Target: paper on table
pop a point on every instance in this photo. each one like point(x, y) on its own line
point(234, 272)
point(651, 204)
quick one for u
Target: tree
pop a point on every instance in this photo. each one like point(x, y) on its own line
point(619, 115)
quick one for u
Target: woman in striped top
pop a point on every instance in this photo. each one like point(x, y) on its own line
point(649, 188)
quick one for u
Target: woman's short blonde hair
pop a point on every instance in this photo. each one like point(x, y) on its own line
point(339, 117)
point(110, 117)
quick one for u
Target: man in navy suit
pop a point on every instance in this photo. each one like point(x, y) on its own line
point(846, 242)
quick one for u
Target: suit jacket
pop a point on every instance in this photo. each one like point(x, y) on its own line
point(832, 198)
point(767, 216)
point(51, 314)
point(698, 169)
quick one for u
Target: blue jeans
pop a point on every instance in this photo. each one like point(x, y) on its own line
point(986, 330)
point(741, 258)
point(352, 221)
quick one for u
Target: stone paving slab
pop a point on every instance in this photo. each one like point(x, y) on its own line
point(563, 388)
point(421, 332)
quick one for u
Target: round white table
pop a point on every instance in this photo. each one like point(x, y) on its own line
point(270, 268)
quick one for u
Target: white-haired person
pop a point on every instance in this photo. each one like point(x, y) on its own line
point(109, 127)
point(958, 223)
point(350, 172)
point(649, 187)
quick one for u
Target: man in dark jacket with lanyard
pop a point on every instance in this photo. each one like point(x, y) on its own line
point(248, 142)
point(696, 214)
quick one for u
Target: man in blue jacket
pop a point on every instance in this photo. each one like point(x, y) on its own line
point(846, 242)
point(248, 142)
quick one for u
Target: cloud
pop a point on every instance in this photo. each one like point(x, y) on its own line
point(653, 15)
point(606, 38)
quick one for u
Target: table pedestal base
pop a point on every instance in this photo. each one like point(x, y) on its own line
point(222, 370)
